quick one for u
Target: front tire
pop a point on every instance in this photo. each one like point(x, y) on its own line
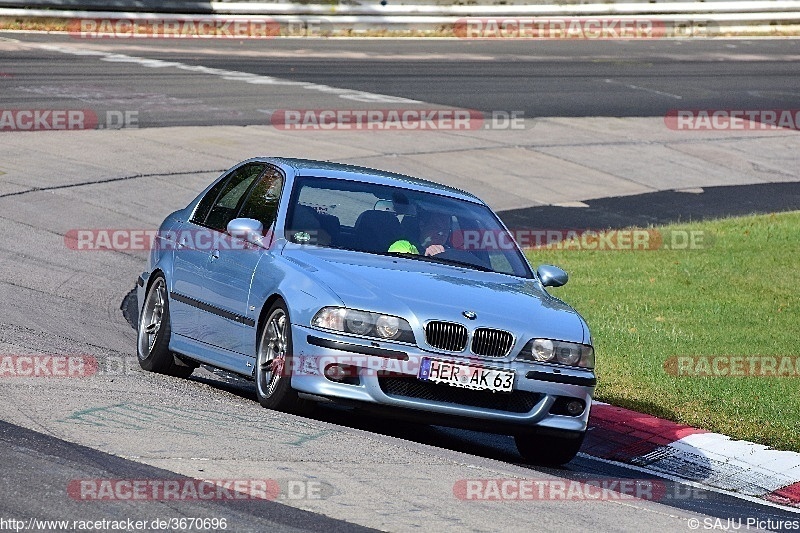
point(549, 450)
point(154, 332)
point(274, 363)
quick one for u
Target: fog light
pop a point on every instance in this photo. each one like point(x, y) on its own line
point(338, 373)
point(575, 407)
point(335, 372)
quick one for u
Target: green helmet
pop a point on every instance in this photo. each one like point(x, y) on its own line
point(403, 247)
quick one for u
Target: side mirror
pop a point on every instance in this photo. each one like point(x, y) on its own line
point(248, 229)
point(552, 276)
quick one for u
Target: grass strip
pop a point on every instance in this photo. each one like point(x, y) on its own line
point(735, 296)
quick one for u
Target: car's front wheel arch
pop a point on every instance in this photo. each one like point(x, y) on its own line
point(264, 314)
point(152, 278)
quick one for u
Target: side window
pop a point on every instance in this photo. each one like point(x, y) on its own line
point(204, 205)
point(262, 204)
point(224, 209)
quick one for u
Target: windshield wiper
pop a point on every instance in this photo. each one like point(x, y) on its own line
point(440, 260)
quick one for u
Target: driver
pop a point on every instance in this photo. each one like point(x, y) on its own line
point(434, 230)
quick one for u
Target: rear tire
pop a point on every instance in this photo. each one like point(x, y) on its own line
point(549, 450)
point(274, 363)
point(154, 332)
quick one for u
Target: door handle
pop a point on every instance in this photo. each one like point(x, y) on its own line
point(182, 242)
point(214, 254)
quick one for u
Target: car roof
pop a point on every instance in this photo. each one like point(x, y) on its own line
point(328, 169)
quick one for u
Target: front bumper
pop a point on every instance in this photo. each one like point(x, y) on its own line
point(384, 375)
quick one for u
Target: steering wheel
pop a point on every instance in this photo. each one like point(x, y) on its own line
point(462, 256)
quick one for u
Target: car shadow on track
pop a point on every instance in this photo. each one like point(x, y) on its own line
point(660, 207)
point(130, 309)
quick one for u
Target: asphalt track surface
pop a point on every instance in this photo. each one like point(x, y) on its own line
point(540, 78)
point(37, 467)
point(129, 424)
point(644, 78)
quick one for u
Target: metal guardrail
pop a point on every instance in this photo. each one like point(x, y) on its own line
point(428, 9)
point(716, 17)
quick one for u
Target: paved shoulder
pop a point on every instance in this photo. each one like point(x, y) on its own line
point(43, 477)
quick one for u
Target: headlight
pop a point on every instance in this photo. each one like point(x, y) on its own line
point(542, 349)
point(329, 318)
point(560, 352)
point(364, 323)
point(358, 322)
point(387, 327)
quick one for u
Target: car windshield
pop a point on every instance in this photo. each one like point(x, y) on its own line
point(386, 220)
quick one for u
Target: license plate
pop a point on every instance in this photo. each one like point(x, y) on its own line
point(466, 376)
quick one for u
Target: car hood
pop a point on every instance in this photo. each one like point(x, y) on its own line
point(422, 291)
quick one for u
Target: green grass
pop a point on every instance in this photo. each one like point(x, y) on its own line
point(738, 296)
